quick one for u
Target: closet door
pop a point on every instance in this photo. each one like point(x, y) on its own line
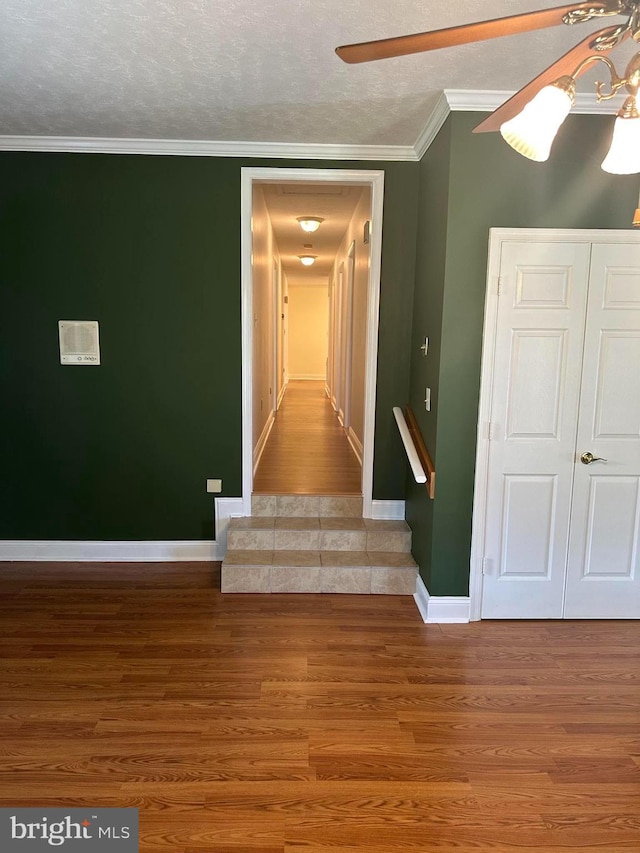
point(534, 411)
point(603, 575)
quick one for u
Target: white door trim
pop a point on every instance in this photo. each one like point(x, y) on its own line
point(498, 236)
point(339, 373)
point(374, 179)
point(350, 275)
point(276, 326)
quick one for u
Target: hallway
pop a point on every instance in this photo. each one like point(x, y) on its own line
point(307, 451)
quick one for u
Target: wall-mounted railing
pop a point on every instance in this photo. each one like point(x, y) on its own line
point(417, 453)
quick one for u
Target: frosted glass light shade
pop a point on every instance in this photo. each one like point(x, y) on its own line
point(307, 260)
point(532, 131)
point(310, 223)
point(624, 155)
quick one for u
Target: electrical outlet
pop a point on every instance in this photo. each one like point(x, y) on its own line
point(214, 486)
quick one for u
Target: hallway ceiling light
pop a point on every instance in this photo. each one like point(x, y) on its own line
point(310, 223)
point(307, 260)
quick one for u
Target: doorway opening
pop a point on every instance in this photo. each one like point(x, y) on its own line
point(309, 343)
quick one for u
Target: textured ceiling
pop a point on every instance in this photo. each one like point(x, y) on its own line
point(242, 70)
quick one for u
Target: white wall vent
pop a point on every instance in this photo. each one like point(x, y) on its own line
point(79, 342)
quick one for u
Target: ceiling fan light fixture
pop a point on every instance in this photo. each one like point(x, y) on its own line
point(307, 260)
point(309, 223)
point(624, 154)
point(532, 131)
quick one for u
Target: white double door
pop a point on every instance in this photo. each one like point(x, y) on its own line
point(562, 502)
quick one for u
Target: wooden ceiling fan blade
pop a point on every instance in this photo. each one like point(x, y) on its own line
point(452, 36)
point(567, 64)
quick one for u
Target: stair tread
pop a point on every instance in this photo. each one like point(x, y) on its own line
point(268, 522)
point(306, 505)
point(320, 559)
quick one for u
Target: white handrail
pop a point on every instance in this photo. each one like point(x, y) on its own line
point(409, 446)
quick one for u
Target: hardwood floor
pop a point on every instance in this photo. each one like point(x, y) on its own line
point(313, 724)
point(307, 451)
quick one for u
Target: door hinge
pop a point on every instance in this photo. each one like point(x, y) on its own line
point(499, 286)
point(491, 431)
point(487, 565)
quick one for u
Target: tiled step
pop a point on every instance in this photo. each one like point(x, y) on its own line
point(360, 572)
point(309, 533)
point(317, 543)
point(306, 506)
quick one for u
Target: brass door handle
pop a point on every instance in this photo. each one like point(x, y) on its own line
point(587, 458)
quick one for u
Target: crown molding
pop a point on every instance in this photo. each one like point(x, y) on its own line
point(472, 100)
point(477, 100)
point(450, 100)
point(431, 129)
point(206, 148)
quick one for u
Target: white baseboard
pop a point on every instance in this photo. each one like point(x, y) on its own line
point(258, 450)
point(106, 551)
point(281, 394)
point(441, 609)
point(421, 598)
point(355, 443)
point(225, 508)
point(392, 510)
point(127, 551)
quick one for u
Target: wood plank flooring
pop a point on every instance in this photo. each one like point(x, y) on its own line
point(316, 723)
point(307, 451)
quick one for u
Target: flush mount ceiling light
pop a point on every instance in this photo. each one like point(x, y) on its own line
point(307, 260)
point(310, 223)
point(530, 119)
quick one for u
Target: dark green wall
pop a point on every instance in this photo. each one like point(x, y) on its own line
point(489, 185)
point(149, 247)
point(431, 253)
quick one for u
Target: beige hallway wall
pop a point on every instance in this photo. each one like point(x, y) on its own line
point(265, 254)
point(308, 326)
point(361, 264)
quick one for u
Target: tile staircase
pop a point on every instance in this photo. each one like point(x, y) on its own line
point(313, 543)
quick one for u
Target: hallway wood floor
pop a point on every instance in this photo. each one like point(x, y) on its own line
point(307, 452)
point(315, 723)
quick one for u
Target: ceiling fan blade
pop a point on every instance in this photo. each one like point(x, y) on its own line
point(403, 45)
point(567, 64)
